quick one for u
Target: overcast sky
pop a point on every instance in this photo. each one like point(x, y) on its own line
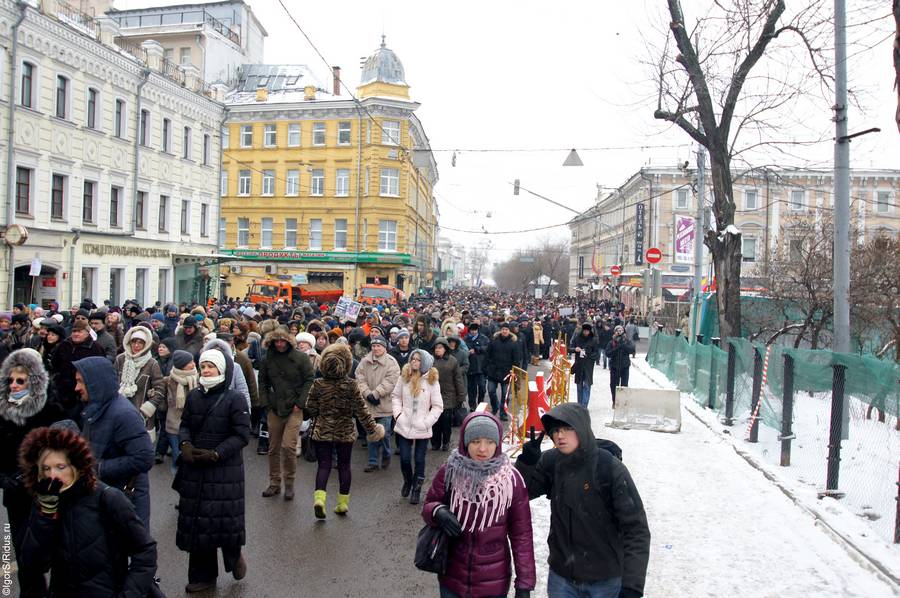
point(527, 75)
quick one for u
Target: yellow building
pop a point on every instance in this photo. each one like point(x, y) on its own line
point(319, 187)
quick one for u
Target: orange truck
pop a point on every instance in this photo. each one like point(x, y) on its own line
point(272, 291)
point(379, 293)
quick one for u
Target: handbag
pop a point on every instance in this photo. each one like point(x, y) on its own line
point(433, 547)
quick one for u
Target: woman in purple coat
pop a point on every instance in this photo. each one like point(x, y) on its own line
point(481, 501)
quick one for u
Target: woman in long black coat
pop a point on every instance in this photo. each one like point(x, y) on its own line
point(585, 349)
point(215, 427)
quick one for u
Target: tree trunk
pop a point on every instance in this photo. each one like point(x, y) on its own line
point(725, 247)
point(897, 61)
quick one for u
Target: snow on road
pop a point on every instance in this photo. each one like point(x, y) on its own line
point(719, 528)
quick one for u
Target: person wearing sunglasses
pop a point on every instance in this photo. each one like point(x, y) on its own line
point(26, 403)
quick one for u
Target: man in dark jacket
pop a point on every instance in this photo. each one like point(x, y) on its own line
point(402, 349)
point(503, 353)
point(424, 336)
point(604, 335)
point(116, 431)
point(285, 377)
point(599, 538)
point(189, 337)
point(104, 339)
point(453, 393)
point(618, 351)
point(585, 349)
point(478, 346)
point(78, 346)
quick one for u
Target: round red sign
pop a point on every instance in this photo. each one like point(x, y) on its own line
point(615, 270)
point(654, 255)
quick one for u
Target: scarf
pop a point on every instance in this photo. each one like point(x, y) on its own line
point(187, 381)
point(210, 382)
point(19, 396)
point(480, 491)
point(130, 370)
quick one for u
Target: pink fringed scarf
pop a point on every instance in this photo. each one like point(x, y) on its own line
point(480, 491)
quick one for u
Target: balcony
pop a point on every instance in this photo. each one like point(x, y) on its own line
point(175, 18)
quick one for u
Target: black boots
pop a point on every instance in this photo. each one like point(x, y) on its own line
point(416, 491)
point(407, 485)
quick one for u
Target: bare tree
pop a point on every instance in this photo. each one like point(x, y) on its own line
point(875, 290)
point(897, 57)
point(525, 268)
point(709, 92)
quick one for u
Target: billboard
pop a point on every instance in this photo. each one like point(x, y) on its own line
point(639, 234)
point(685, 237)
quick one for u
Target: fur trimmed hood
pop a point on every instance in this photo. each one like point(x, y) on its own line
point(512, 336)
point(219, 344)
point(38, 383)
point(431, 377)
point(280, 333)
point(336, 362)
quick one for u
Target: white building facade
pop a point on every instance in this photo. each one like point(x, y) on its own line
point(113, 166)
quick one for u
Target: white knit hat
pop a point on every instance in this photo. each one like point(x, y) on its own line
point(306, 337)
point(215, 357)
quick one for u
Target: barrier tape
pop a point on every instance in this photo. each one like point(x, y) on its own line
point(765, 372)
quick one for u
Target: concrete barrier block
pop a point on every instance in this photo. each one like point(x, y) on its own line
point(652, 409)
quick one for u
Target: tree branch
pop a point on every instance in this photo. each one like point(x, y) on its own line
point(679, 119)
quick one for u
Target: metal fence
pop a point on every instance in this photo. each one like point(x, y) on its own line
point(832, 418)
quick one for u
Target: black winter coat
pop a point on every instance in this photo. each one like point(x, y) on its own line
point(97, 547)
point(502, 355)
point(64, 372)
point(211, 508)
point(598, 527)
point(584, 366)
point(617, 351)
point(479, 344)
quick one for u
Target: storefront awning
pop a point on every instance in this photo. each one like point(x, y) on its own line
point(676, 294)
point(201, 258)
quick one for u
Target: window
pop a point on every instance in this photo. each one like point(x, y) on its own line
point(580, 266)
point(27, 91)
point(318, 133)
point(186, 144)
point(340, 234)
point(115, 199)
point(89, 278)
point(206, 149)
point(169, 54)
point(748, 249)
point(167, 136)
point(163, 213)
point(119, 125)
point(294, 135)
point(246, 135)
point(390, 132)
point(751, 201)
point(62, 97)
point(681, 199)
point(243, 239)
point(204, 220)
point(317, 182)
point(23, 190)
point(162, 285)
point(91, 117)
point(344, 132)
point(89, 202)
point(185, 216)
point(143, 132)
point(290, 233)
point(367, 179)
point(184, 56)
point(116, 278)
point(390, 181)
point(292, 183)
point(315, 234)
point(58, 197)
point(265, 236)
point(223, 183)
point(268, 182)
point(226, 138)
point(342, 182)
point(139, 210)
point(244, 182)
point(797, 200)
point(269, 136)
point(140, 285)
point(223, 229)
point(795, 250)
point(883, 202)
point(387, 235)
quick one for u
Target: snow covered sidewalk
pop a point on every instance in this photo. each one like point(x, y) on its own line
point(719, 527)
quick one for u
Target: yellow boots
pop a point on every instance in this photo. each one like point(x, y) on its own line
point(343, 504)
point(319, 498)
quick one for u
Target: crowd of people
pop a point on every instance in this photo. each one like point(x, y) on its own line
point(91, 398)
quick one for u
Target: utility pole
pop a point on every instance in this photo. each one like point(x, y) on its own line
point(841, 197)
point(698, 230)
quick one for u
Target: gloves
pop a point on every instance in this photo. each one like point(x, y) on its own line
point(148, 409)
point(187, 452)
point(8, 482)
point(377, 435)
point(520, 593)
point(531, 450)
point(448, 522)
point(47, 495)
point(373, 399)
point(205, 455)
point(629, 593)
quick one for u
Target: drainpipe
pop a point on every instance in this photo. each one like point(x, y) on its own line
point(137, 154)
point(72, 266)
point(358, 184)
point(219, 241)
point(766, 244)
point(10, 174)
